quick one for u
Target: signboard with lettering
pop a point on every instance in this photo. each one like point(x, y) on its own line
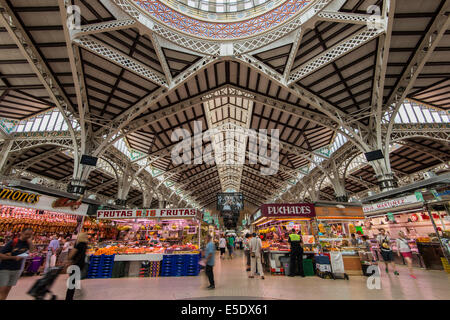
point(147, 214)
point(26, 199)
point(280, 210)
point(391, 216)
point(339, 213)
point(398, 202)
point(19, 196)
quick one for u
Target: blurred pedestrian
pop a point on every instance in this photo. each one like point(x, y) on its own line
point(404, 250)
point(248, 237)
point(52, 252)
point(12, 258)
point(222, 246)
point(230, 246)
point(386, 251)
point(210, 254)
point(77, 257)
point(66, 246)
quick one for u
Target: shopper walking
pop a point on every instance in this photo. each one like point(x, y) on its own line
point(247, 239)
point(256, 255)
point(67, 245)
point(12, 258)
point(210, 254)
point(77, 257)
point(386, 251)
point(296, 261)
point(404, 249)
point(52, 252)
point(222, 246)
point(231, 246)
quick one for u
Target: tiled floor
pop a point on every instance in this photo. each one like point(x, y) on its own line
point(232, 283)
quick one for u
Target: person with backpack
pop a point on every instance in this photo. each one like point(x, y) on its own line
point(12, 257)
point(404, 250)
point(386, 251)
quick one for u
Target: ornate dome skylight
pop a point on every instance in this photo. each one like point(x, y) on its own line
point(222, 19)
point(223, 10)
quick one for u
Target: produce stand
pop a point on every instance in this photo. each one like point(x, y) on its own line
point(45, 215)
point(274, 223)
point(152, 242)
point(336, 222)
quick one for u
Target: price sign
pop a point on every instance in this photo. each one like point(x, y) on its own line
point(391, 216)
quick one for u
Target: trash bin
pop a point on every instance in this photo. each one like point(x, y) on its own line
point(308, 267)
point(285, 262)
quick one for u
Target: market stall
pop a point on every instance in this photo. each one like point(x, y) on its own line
point(151, 242)
point(45, 215)
point(336, 223)
point(409, 214)
point(274, 221)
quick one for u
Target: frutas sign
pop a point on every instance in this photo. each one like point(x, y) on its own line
point(279, 210)
point(147, 213)
point(19, 196)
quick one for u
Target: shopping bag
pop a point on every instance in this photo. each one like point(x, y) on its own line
point(53, 261)
point(202, 262)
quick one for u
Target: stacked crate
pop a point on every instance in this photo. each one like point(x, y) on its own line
point(172, 266)
point(180, 265)
point(192, 266)
point(100, 267)
point(150, 269)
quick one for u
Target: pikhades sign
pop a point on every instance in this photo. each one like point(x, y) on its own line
point(279, 210)
point(147, 214)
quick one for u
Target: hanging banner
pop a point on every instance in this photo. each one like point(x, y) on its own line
point(279, 210)
point(339, 213)
point(147, 213)
point(25, 199)
point(392, 203)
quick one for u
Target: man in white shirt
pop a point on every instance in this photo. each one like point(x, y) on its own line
point(222, 246)
point(256, 255)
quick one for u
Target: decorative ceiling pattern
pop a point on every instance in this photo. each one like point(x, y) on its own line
point(223, 31)
point(219, 10)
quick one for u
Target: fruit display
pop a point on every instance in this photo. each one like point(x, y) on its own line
point(351, 228)
point(182, 249)
point(125, 250)
point(104, 229)
point(16, 219)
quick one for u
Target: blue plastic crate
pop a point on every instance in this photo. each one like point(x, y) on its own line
point(101, 267)
point(322, 259)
